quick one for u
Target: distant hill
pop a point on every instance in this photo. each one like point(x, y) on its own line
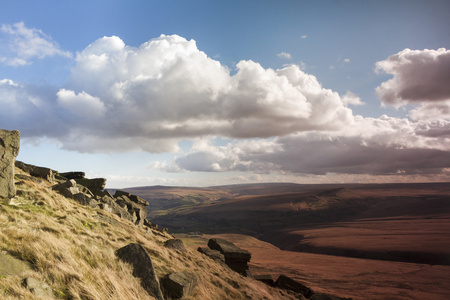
point(404, 222)
point(165, 198)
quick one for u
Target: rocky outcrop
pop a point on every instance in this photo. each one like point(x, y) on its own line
point(235, 258)
point(142, 264)
point(90, 192)
point(287, 283)
point(9, 149)
point(178, 285)
point(40, 172)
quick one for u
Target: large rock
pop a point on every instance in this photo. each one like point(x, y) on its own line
point(175, 244)
point(9, 265)
point(36, 171)
point(178, 285)
point(138, 212)
point(38, 288)
point(73, 175)
point(9, 149)
point(287, 283)
point(235, 258)
point(141, 262)
point(229, 250)
point(134, 198)
point(213, 254)
point(96, 183)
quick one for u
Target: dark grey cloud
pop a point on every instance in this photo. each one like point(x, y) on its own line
point(419, 76)
point(384, 146)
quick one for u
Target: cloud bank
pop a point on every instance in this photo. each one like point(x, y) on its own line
point(120, 98)
point(167, 89)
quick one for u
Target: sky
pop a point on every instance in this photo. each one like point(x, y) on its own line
point(203, 93)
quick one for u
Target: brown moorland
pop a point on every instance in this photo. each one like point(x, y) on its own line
point(343, 276)
point(398, 222)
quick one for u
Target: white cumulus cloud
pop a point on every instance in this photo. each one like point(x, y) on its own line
point(284, 55)
point(20, 45)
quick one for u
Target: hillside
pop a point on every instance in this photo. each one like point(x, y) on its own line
point(71, 248)
point(166, 199)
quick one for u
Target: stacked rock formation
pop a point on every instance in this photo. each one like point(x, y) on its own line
point(234, 257)
point(9, 149)
point(92, 192)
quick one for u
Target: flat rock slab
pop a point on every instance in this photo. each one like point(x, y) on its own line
point(229, 250)
point(137, 256)
point(9, 265)
point(286, 283)
point(97, 183)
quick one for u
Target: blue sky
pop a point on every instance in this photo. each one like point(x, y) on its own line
point(233, 92)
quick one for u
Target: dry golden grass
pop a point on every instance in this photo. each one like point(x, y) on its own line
point(71, 248)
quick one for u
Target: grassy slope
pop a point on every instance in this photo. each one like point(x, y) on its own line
point(71, 248)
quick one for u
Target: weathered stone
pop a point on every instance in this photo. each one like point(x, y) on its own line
point(141, 262)
point(138, 200)
point(68, 188)
point(229, 250)
point(287, 283)
point(133, 198)
point(266, 278)
point(41, 172)
point(235, 258)
point(141, 215)
point(178, 285)
point(100, 193)
point(119, 193)
point(105, 207)
point(9, 149)
point(85, 190)
point(67, 184)
point(98, 183)
point(9, 265)
point(85, 200)
point(73, 175)
point(30, 178)
point(123, 201)
point(175, 244)
point(213, 254)
point(37, 287)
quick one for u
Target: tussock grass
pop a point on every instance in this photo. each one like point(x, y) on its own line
point(71, 248)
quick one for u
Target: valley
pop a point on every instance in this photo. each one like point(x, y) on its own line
point(364, 241)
